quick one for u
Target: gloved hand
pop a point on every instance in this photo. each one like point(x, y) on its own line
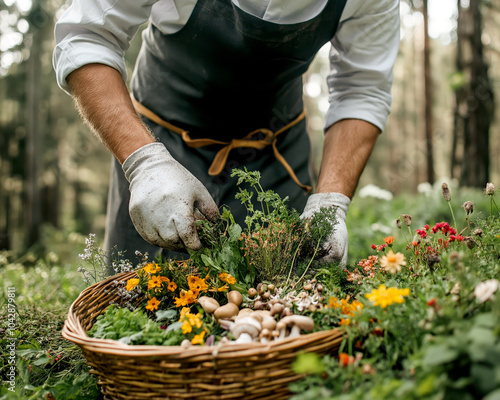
point(336, 244)
point(163, 198)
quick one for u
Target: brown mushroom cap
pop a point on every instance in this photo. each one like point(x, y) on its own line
point(235, 297)
point(301, 321)
point(208, 304)
point(227, 311)
point(277, 309)
point(268, 323)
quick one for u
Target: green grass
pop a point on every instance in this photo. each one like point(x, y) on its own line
point(47, 285)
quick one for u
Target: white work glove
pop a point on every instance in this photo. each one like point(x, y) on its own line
point(336, 244)
point(163, 198)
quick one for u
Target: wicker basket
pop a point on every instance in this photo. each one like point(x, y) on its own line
point(239, 371)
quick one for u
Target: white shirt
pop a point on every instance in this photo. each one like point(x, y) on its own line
point(363, 53)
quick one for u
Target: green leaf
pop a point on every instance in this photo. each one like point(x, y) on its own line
point(495, 395)
point(439, 354)
point(162, 315)
point(308, 363)
point(174, 326)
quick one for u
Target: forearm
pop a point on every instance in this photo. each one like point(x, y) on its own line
point(104, 102)
point(348, 145)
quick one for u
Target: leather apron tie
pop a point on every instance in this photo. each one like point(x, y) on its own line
point(220, 159)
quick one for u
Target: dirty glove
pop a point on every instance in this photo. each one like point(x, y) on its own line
point(336, 244)
point(163, 198)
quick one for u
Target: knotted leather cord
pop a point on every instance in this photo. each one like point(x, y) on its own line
point(220, 158)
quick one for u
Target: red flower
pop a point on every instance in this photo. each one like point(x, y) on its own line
point(373, 247)
point(431, 302)
point(426, 227)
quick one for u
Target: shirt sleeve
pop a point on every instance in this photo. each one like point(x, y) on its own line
point(96, 31)
point(362, 59)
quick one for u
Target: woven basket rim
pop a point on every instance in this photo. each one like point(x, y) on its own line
point(74, 332)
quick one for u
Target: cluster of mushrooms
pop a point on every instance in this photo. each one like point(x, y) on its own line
point(270, 317)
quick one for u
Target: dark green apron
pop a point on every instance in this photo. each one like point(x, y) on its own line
point(223, 75)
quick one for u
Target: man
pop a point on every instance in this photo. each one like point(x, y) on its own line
point(219, 85)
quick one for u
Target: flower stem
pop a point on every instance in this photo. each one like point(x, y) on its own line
point(453, 215)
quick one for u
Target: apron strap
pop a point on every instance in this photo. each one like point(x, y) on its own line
point(219, 162)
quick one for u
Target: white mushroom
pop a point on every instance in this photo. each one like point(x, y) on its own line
point(265, 336)
point(298, 323)
point(281, 328)
point(245, 330)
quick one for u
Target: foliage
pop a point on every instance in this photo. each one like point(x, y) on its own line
point(423, 325)
point(134, 327)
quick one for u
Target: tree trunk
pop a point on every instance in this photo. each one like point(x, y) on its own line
point(478, 102)
point(33, 142)
point(428, 98)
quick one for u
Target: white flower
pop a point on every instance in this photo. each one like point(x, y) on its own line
point(490, 189)
point(485, 290)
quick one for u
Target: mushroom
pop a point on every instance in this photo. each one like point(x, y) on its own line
point(245, 330)
point(252, 292)
point(277, 309)
point(298, 323)
point(281, 328)
point(271, 287)
point(268, 323)
point(265, 335)
point(227, 311)
point(186, 343)
point(245, 312)
point(208, 304)
point(235, 297)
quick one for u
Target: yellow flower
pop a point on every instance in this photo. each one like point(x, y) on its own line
point(197, 285)
point(165, 279)
point(195, 320)
point(186, 327)
point(155, 281)
point(198, 339)
point(132, 283)
point(225, 277)
point(392, 262)
point(333, 302)
point(345, 321)
point(185, 298)
point(151, 268)
point(172, 286)
point(152, 304)
point(384, 297)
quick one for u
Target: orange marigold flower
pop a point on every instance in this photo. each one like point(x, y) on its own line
point(198, 339)
point(333, 302)
point(345, 359)
point(164, 279)
point(172, 286)
point(197, 284)
point(186, 297)
point(131, 284)
point(225, 277)
point(154, 282)
point(152, 304)
point(345, 321)
point(389, 240)
point(151, 268)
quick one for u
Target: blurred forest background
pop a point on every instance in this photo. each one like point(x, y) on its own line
point(54, 172)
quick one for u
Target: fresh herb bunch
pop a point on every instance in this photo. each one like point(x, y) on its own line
point(134, 327)
point(277, 242)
